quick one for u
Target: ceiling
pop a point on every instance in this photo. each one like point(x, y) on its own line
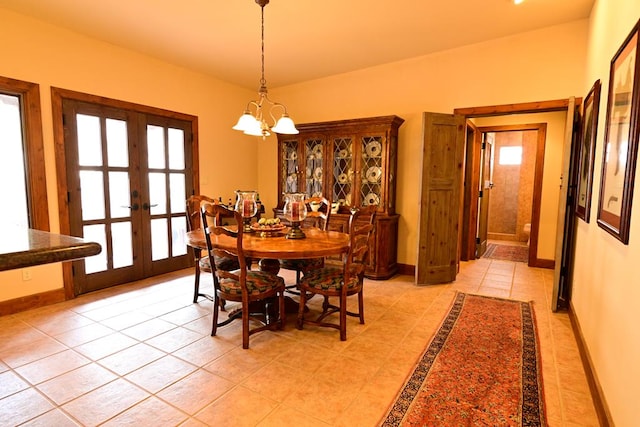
point(304, 40)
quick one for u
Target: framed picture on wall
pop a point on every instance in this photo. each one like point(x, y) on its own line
point(586, 155)
point(621, 140)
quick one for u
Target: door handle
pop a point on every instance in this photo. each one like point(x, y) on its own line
point(147, 206)
point(133, 207)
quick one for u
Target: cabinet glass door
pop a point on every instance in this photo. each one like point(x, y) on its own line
point(343, 168)
point(314, 171)
point(371, 167)
point(289, 166)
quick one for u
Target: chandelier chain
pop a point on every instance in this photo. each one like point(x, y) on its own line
point(263, 82)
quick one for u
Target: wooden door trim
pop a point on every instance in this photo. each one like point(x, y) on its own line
point(519, 108)
point(541, 129)
point(57, 96)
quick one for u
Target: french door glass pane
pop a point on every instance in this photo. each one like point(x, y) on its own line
point(117, 143)
point(158, 193)
point(177, 192)
point(89, 140)
point(119, 194)
point(159, 240)
point(95, 233)
point(122, 244)
point(92, 190)
point(155, 147)
point(176, 148)
point(178, 230)
point(12, 164)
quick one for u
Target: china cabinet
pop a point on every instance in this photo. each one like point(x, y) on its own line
point(351, 162)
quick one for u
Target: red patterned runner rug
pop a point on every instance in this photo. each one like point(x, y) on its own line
point(481, 368)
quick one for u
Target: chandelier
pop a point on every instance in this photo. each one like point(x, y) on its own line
point(254, 122)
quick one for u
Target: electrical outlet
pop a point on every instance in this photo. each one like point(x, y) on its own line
point(26, 274)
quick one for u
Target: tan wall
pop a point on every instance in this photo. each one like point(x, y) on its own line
point(606, 287)
point(50, 56)
point(533, 66)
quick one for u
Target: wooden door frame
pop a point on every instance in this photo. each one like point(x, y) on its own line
point(541, 129)
point(500, 110)
point(57, 95)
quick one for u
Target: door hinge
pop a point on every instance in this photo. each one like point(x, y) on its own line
point(68, 197)
point(484, 145)
point(477, 240)
point(480, 193)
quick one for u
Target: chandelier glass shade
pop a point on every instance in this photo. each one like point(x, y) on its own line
point(259, 118)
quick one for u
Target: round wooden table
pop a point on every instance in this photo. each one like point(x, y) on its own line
point(317, 244)
point(269, 249)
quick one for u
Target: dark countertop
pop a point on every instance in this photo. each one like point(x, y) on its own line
point(21, 248)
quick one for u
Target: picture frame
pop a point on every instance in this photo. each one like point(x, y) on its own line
point(586, 154)
point(620, 146)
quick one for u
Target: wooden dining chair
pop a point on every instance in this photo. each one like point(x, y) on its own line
point(203, 263)
point(249, 287)
point(341, 281)
point(316, 217)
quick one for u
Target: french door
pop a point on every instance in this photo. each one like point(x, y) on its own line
point(128, 176)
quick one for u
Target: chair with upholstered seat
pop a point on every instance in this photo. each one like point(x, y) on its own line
point(341, 281)
point(203, 263)
point(249, 287)
point(318, 213)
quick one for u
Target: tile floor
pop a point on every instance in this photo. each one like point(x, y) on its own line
point(141, 354)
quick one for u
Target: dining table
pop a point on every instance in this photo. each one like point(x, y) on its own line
point(270, 247)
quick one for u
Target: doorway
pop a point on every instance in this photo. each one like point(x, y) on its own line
point(509, 186)
point(127, 174)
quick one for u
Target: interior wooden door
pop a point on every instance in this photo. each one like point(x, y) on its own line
point(128, 176)
point(484, 193)
point(469, 213)
point(565, 232)
point(441, 196)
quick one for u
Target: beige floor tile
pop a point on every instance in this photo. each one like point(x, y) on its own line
point(240, 407)
point(105, 402)
point(285, 416)
point(141, 414)
point(195, 391)
point(149, 329)
point(22, 406)
point(174, 339)
point(203, 351)
point(326, 399)
point(55, 417)
point(29, 352)
point(75, 383)
point(126, 320)
point(105, 346)
point(160, 373)
point(83, 334)
point(132, 358)
point(52, 366)
point(10, 383)
point(58, 322)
